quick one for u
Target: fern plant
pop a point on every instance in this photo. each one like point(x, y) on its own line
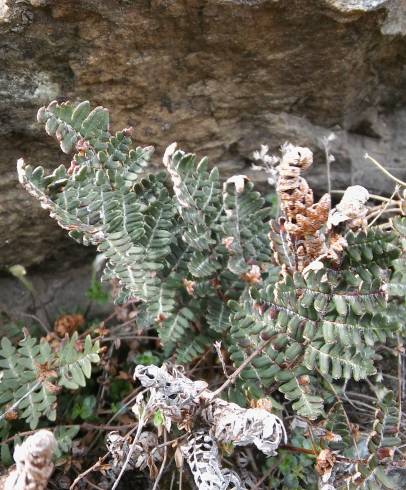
point(186, 246)
point(311, 293)
point(33, 375)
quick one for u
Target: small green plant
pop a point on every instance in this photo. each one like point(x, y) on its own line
point(32, 375)
point(301, 302)
point(96, 292)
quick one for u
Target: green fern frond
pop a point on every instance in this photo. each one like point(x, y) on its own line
point(177, 326)
point(383, 437)
point(339, 362)
point(245, 225)
point(218, 315)
point(21, 386)
point(201, 265)
point(337, 423)
point(198, 197)
point(190, 250)
point(386, 428)
point(275, 363)
point(374, 245)
point(299, 386)
point(75, 366)
point(189, 350)
point(32, 372)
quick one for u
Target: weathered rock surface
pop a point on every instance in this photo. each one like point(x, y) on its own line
point(218, 77)
point(52, 294)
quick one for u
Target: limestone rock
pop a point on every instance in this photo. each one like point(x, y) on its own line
point(218, 77)
point(53, 293)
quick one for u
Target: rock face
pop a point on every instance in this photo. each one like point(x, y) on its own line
point(52, 294)
point(218, 77)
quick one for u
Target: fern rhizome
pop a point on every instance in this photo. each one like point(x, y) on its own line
point(301, 301)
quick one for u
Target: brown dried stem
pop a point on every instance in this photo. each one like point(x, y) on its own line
point(233, 378)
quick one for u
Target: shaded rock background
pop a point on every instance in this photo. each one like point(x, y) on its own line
point(218, 77)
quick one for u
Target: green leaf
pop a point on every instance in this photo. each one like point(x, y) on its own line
point(75, 365)
point(158, 419)
point(340, 304)
point(339, 362)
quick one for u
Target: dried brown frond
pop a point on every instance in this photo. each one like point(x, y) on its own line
point(10, 414)
point(253, 276)
point(189, 286)
point(304, 219)
point(33, 462)
point(308, 230)
point(325, 462)
point(67, 324)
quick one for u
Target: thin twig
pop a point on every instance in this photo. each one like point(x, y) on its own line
point(93, 485)
point(104, 379)
point(84, 426)
point(329, 159)
point(21, 434)
point(364, 396)
point(161, 470)
point(217, 346)
point(127, 337)
point(125, 402)
point(263, 479)
point(312, 438)
point(385, 226)
point(89, 470)
point(15, 405)
point(202, 358)
point(372, 196)
point(37, 319)
point(180, 477)
point(168, 443)
point(141, 423)
point(236, 373)
point(377, 214)
point(302, 450)
point(383, 170)
point(172, 480)
point(400, 382)
point(384, 209)
point(88, 426)
point(130, 452)
point(250, 456)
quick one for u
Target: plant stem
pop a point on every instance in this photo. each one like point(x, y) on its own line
point(400, 382)
point(15, 405)
point(340, 402)
point(384, 209)
point(372, 196)
point(89, 470)
point(328, 164)
point(236, 373)
point(383, 170)
point(377, 214)
point(301, 450)
point(161, 470)
point(141, 423)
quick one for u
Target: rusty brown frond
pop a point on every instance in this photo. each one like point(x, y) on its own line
point(308, 231)
point(67, 324)
point(304, 219)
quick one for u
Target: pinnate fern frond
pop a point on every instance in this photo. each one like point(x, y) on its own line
point(245, 225)
point(24, 385)
point(32, 374)
point(74, 365)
